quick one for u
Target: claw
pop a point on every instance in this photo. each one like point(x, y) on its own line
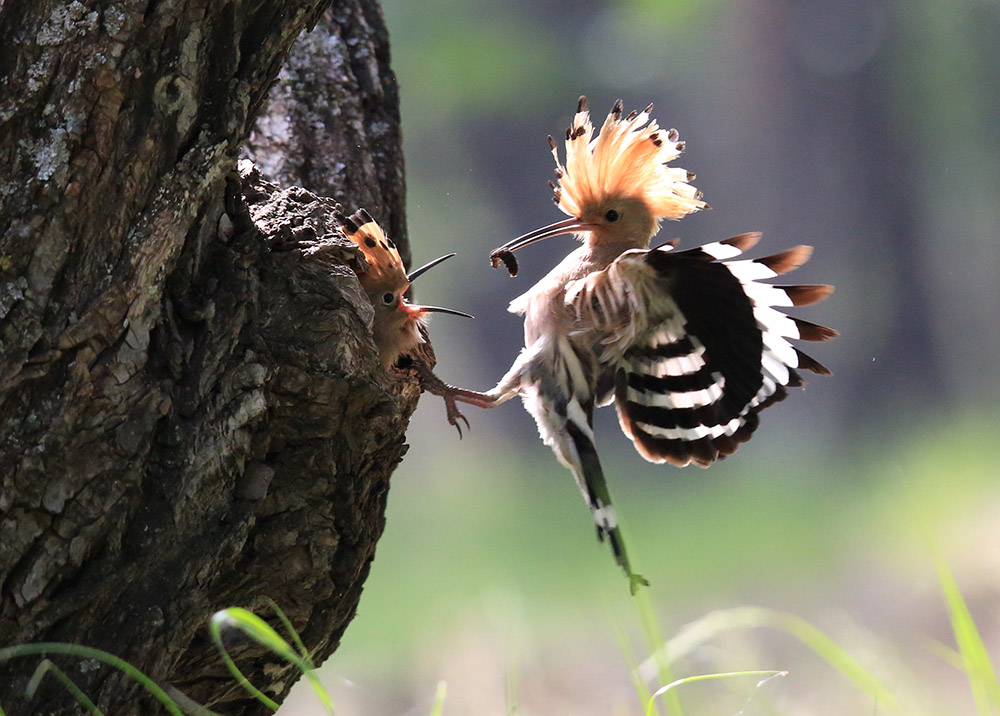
point(450, 394)
point(455, 416)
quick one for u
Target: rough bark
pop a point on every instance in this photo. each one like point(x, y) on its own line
point(303, 122)
point(193, 412)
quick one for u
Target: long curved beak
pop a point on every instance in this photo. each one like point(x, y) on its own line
point(414, 274)
point(568, 226)
point(432, 309)
point(439, 309)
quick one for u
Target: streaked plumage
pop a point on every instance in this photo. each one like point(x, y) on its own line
point(694, 365)
point(399, 326)
point(688, 344)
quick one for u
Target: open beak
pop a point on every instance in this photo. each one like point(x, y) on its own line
point(432, 309)
point(414, 274)
point(569, 226)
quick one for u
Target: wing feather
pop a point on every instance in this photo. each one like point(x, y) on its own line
point(695, 344)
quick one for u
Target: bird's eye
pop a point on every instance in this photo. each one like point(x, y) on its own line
point(388, 298)
point(612, 215)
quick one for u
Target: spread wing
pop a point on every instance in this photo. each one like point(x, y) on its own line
point(694, 345)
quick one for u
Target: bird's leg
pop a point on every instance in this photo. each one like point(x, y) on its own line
point(635, 580)
point(451, 395)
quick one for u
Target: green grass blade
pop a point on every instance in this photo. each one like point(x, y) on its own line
point(512, 670)
point(241, 619)
point(768, 675)
point(944, 652)
point(261, 632)
point(638, 682)
point(658, 650)
point(714, 623)
point(837, 657)
point(439, 695)
point(47, 667)
point(303, 652)
point(976, 660)
point(104, 657)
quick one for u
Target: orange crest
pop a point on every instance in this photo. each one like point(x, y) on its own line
point(385, 267)
point(628, 159)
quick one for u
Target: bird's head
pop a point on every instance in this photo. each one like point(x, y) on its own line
point(396, 327)
point(617, 187)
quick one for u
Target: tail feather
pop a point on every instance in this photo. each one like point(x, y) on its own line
point(590, 476)
point(556, 388)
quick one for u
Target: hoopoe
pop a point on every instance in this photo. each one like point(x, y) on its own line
point(687, 344)
point(399, 326)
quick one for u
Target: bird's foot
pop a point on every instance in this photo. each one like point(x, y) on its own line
point(455, 416)
point(451, 395)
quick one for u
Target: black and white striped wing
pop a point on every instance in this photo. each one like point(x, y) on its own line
point(709, 350)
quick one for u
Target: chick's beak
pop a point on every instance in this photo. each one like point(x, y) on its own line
point(438, 309)
point(414, 274)
point(568, 226)
point(417, 309)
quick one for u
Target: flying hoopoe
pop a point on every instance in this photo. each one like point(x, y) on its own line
point(688, 344)
point(399, 326)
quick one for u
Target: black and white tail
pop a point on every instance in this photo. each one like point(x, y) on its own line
point(690, 388)
point(561, 399)
point(590, 476)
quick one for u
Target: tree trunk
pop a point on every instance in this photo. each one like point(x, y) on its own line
point(301, 137)
point(194, 415)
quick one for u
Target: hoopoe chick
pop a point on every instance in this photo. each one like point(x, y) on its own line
point(687, 344)
point(399, 326)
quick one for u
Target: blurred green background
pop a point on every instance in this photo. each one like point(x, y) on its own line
point(870, 130)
